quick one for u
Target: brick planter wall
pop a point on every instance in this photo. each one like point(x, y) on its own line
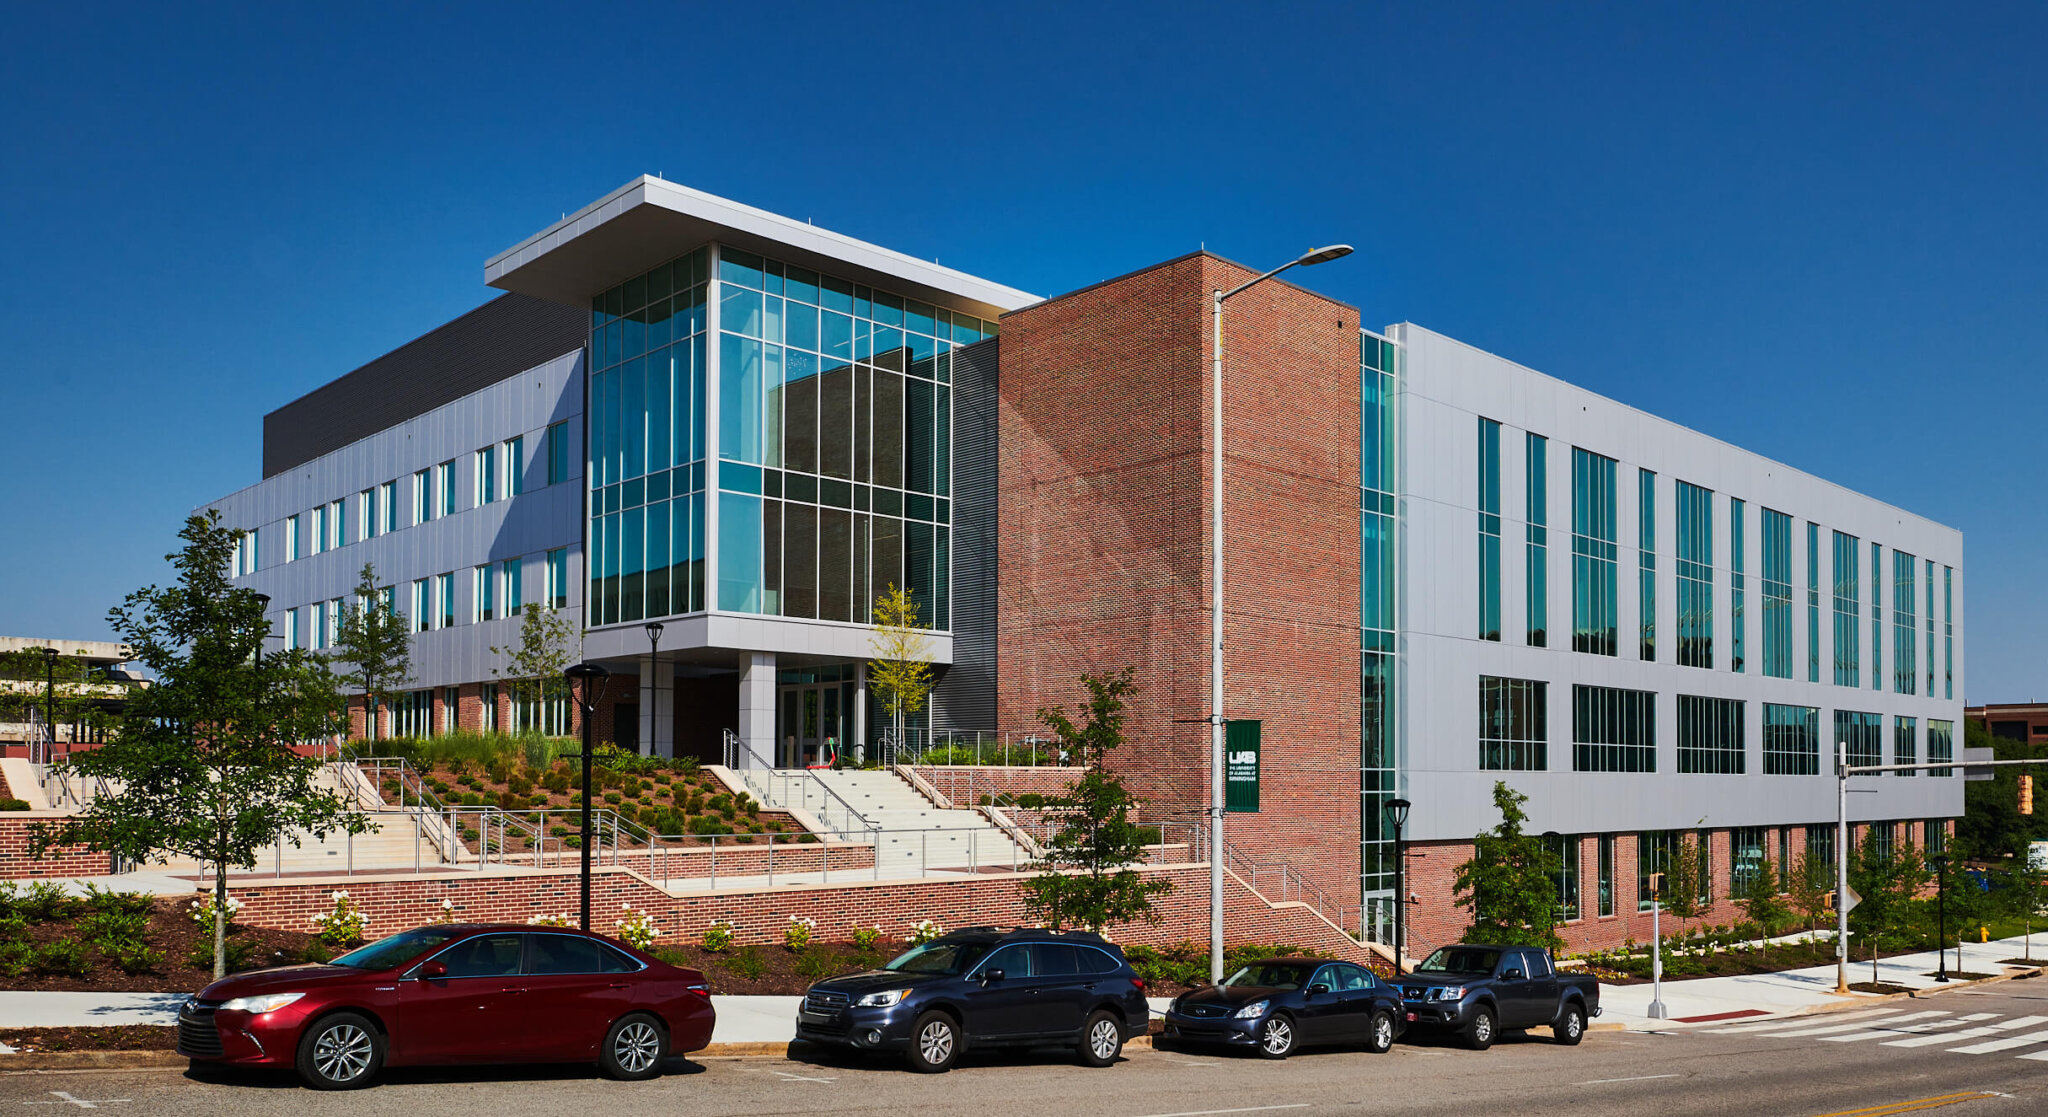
point(16, 863)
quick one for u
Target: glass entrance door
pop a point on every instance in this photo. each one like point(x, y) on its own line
point(813, 720)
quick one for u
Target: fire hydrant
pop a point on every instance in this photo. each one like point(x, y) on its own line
point(1983, 934)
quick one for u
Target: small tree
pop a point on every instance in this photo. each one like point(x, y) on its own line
point(204, 766)
point(1509, 882)
point(1888, 881)
point(533, 669)
point(1087, 879)
point(1688, 879)
point(1759, 900)
point(1809, 889)
point(372, 638)
point(2019, 889)
point(900, 672)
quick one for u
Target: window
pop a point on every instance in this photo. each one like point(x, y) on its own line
point(1820, 852)
point(1905, 624)
point(291, 538)
point(515, 465)
point(1784, 859)
point(1746, 847)
point(444, 597)
point(333, 621)
point(1710, 735)
point(1941, 745)
point(1930, 628)
point(1876, 617)
point(1593, 553)
point(1489, 530)
point(388, 505)
point(422, 611)
point(444, 486)
point(1862, 733)
point(1695, 568)
point(1936, 832)
point(486, 475)
point(1812, 603)
point(336, 526)
point(1791, 740)
point(1605, 883)
point(1646, 557)
point(486, 600)
point(570, 954)
point(1538, 503)
point(1058, 959)
point(316, 530)
point(422, 496)
point(1948, 627)
point(1654, 850)
point(558, 578)
point(1848, 611)
point(291, 628)
point(558, 453)
point(483, 956)
point(1736, 509)
point(1777, 594)
point(1881, 839)
point(1512, 725)
point(1905, 744)
point(412, 714)
point(366, 514)
point(487, 708)
point(1613, 730)
point(319, 625)
point(1567, 876)
point(514, 597)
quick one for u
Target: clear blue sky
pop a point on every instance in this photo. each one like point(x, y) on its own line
point(1816, 231)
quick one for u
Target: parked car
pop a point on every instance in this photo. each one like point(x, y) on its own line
point(983, 987)
point(1480, 991)
point(1277, 1005)
point(454, 994)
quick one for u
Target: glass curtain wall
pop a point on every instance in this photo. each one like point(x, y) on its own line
point(1594, 554)
point(1613, 730)
point(1905, 743)
point(1512, 724)
point(1537, 499)
point(1948, 628)
point(1930, 628)
point(1737, 510)
point(1710, 735)
point(1489, 530)
point(1777, 542)
point(1646, 574)
point(1695, 576)
point(1941, 746)
point(1863, 733)
point(1379, 761)
point(1848, 610)
point(1876, 616)
point(1812, 603)
point(1791, 740)
point(1905, 624)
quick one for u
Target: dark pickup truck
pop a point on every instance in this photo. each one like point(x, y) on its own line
point(1480, 991)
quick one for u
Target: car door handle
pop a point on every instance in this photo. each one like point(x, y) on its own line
point(618, 985)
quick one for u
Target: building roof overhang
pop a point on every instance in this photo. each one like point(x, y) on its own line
point(650, 220)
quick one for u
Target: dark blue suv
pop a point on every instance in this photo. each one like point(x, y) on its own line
point(986, 988)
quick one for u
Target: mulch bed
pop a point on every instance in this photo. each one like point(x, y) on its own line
point(1877, 987)
point(118, 1037)
point(171, 931)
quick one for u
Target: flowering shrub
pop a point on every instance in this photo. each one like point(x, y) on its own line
point(718, 936)
point(562, 920)
point(445, 913)
point(924, 930)
point(867, 938)
point(637, 929)
point(344, 924)
point(797, 935)
point(201, 910)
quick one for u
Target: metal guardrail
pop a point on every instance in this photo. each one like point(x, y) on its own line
point(964, 746)
point(783, 788)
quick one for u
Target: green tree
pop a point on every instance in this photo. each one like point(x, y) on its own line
point(1809, 889)
point(372, 639)
point(1759, 900)
point(203, 766)
point(1688, 879)
point(533, 668)
point(1509, 882)
point(1888, 881)
point(1992, 826)
point(900, 671)
point(1087, 879)
point(2016, 886)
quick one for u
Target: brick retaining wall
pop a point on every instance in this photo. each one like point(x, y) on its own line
point(17, 863)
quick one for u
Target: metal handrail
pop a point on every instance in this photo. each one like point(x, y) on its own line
point(774, 779)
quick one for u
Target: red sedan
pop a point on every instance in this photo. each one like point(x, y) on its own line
point(454, 994)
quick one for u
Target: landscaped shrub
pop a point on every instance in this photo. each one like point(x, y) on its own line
point(637, 929)
point(239, 953)
point(108, 899)
point(718, 936)
point(15, 957)
point(45, 901)
point(797, 935)
point(13, 804)
point(136, 958)
point(343, 924)
point(65, 957)
point(818, 965)
point(747, 963)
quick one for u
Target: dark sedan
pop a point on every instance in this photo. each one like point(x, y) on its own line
point(454, 994)
point(1280, 1004)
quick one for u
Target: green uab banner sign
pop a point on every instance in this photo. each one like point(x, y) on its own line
point(1241, 766)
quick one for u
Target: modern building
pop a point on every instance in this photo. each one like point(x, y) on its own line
point(58, 694)
point(2013, 721)
point(1443, 569)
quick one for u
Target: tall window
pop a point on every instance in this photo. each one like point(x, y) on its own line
point(387, 504)
point(444, 485)
point(1512, 734)
point(1736, 510)
point(1863, 733)
point(1605, 883)
point(1905, 624)
point(1566, 847)
point(1489, 530)
point(1941, 745)
point(1948, 628)
point(1936, 832)
point(1812, 603)
point(422, 496)
point(366, 513)
point(444, 595)
point(422, 606)
point(1746, 846)
point(1848, 610)
point(1695, 576)
point(558, 578)
point(333, 621)
point(291, 538)
point(291, 628)
point(515, 465)
point(1784, 859)
point(486, 475)
point(1613, 730)
point(515, 598)
point(1791, 740)
point(1884, 838)
point(558, 452)
point(316, 523)
point(336, 526)
point(1820, 851)
point(486, 597)
point(487, 708)
point(1876, 617)
point(1710, 735)
point(1905, 744)
point(1777, 594)
point(1593, 553)
point(1654, 852)
point(1646, 550)
point(1930, 628)
point(1538, 503)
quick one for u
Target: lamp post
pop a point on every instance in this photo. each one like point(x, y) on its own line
point(593, 677)
point(654, 667)
point(1940, 863)
point(1397, 813)
point(1317, 256)
point(49, 702)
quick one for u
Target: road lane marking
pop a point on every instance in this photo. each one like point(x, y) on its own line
point(1834, 1028)
point(1913, 1106)
point(801, 1078)
point(1212, 1112)
point(2006, 1044)
point(1924, 1026)
point(1637, 1078)
point(1799, 1021)
point(64, 1097)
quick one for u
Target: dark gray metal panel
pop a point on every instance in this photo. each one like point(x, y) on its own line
point(503, 337)
point(966, 695)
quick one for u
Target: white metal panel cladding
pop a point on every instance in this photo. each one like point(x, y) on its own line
point(1450, 384)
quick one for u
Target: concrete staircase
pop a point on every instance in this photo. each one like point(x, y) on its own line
point(391, 846)
point(915, 833)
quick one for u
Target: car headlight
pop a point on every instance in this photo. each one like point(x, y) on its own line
point(1253, 1010)
point(1451, 994)
point(268, 1002)
point(882, 1000)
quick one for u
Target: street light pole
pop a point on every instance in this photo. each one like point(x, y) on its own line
point(1842, 868)
point(49, 702)
point(593, 677)
point(1317, 256)
point(1397, 813)
point(1940, 863)
point(654, 668)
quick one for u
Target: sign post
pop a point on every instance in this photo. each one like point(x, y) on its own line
point(1241, 767)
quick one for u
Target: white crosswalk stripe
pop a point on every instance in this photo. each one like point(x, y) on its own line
point(2010, 1042)
point(1798, 1021)
point(1894, 1027)
point(1836, 1028)
point(1883, 1031)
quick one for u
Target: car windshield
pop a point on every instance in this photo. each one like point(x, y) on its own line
point(949, 959)
point(1460, 959)
point(386, 953)
point(1270, 975)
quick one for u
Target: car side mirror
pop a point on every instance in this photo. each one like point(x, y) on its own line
point(1511, 975)
point(988, 976)
point(434, 969)
point(1318, 988)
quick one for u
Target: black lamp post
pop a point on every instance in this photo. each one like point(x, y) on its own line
point(1397, 813)
point(1940, 863)
point(50, 700)
point(654, 695)
point(593, 678)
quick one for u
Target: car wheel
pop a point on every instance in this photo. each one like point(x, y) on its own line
point(633, 1049)
point(1276, 1037)
point(1379, 1033)
point(1102, 1039)
point(1571, 1027)
point(340, 1052)
point(1479, 1034)
point(934, 1043)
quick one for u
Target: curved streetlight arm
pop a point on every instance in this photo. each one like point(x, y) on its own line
point(1316, 256)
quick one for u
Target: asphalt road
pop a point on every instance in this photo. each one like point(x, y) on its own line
point(1868, 1068)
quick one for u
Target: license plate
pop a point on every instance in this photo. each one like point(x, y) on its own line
point(814, 1017)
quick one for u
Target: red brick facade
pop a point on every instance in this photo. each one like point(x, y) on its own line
point(1103, 507)
point(17, 863)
